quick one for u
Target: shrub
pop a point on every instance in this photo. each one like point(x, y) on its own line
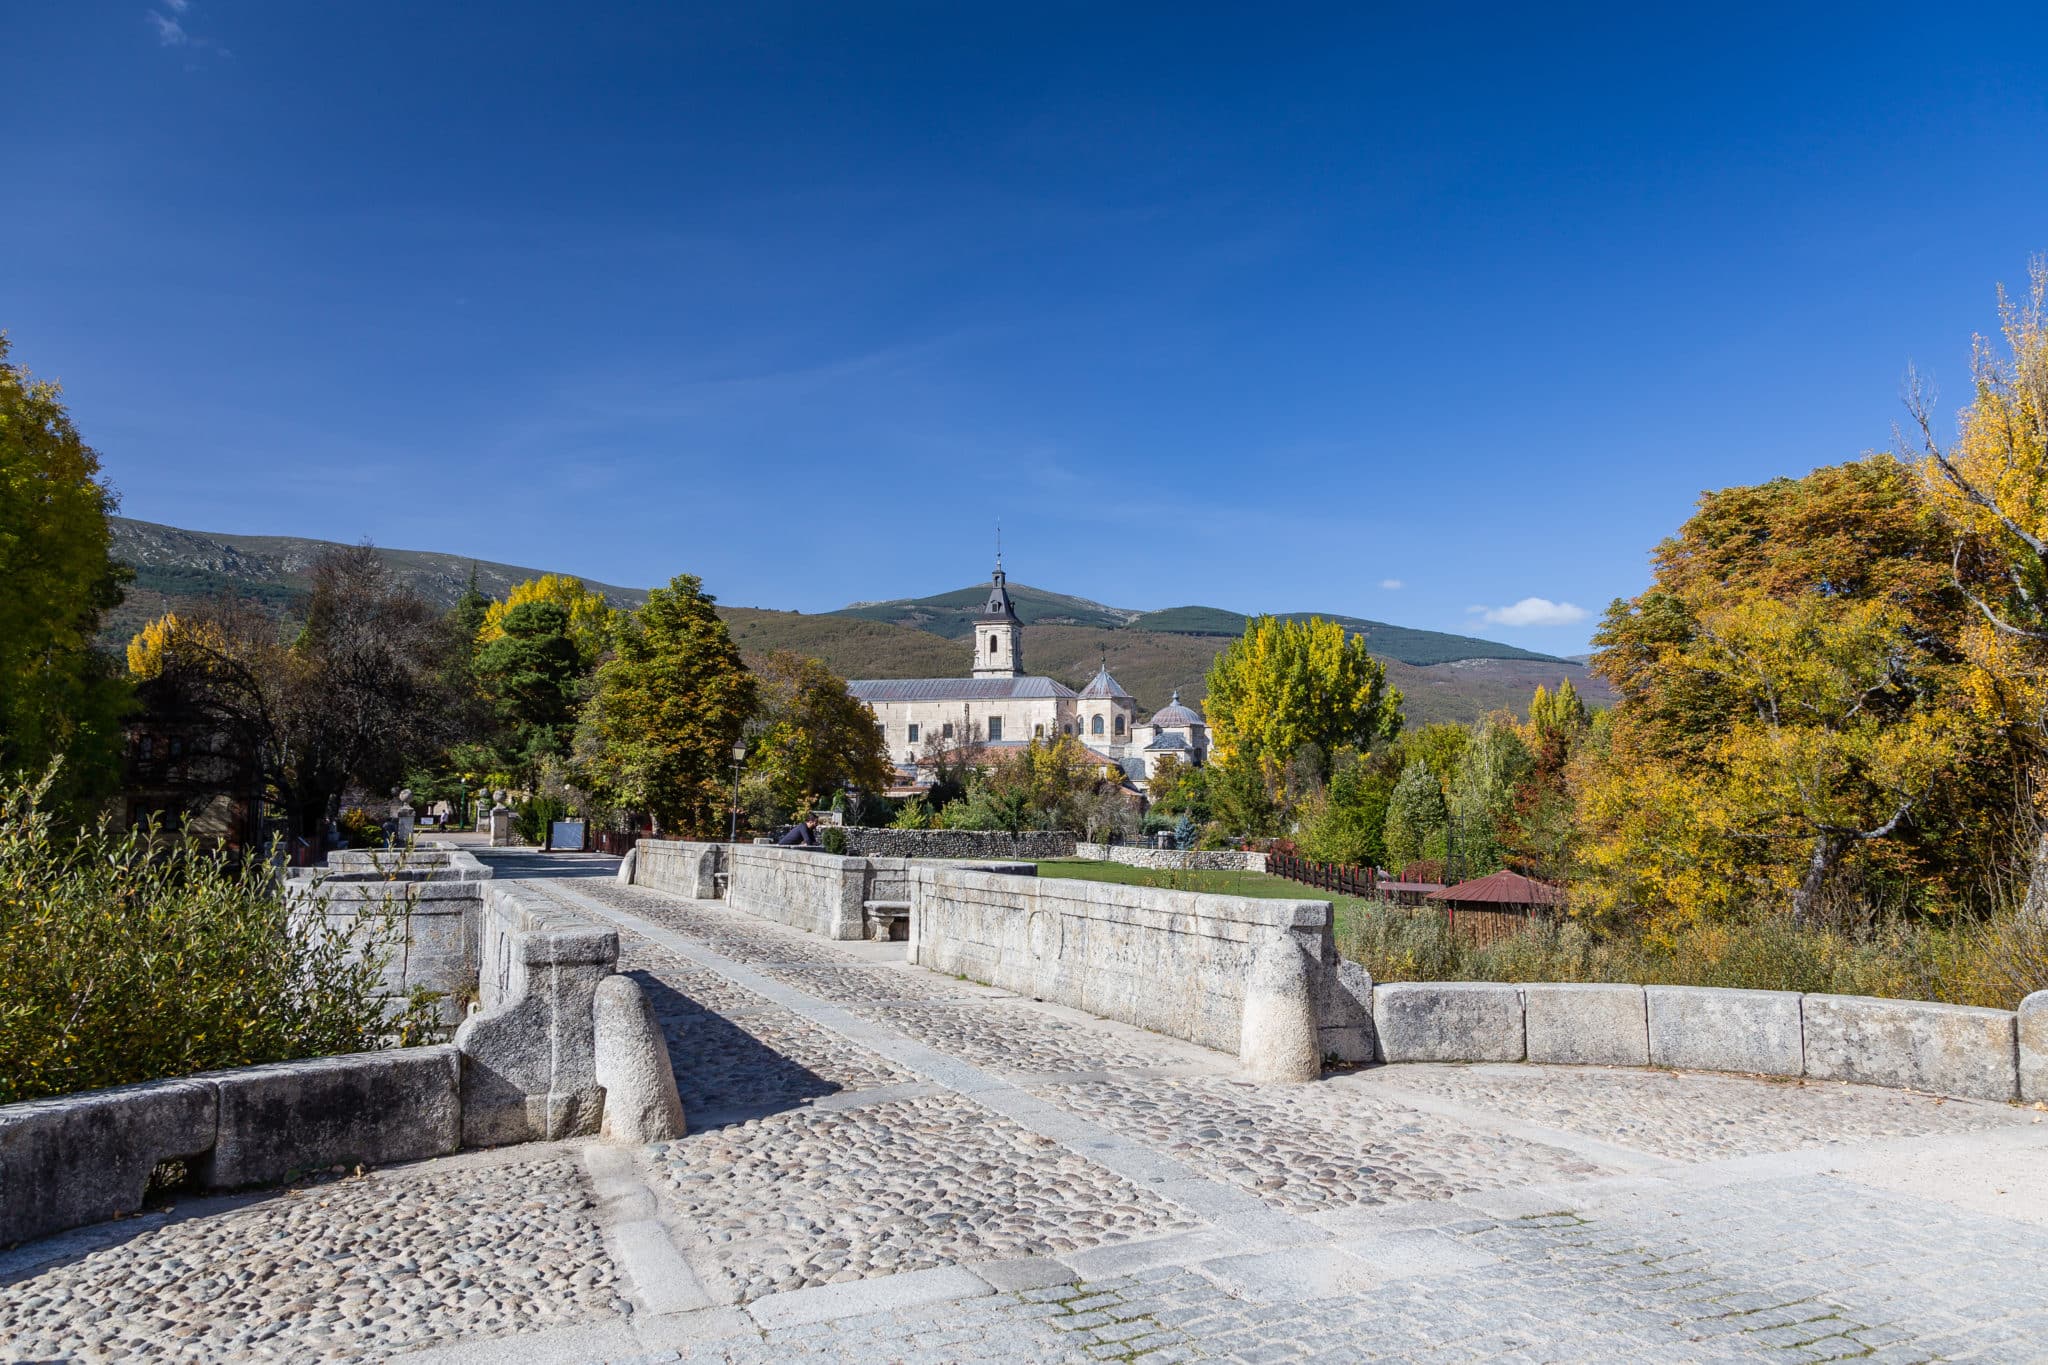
point(361, 829)
point(531, 818)
point(142, 956)
point(834, 839)
point(1995, 962)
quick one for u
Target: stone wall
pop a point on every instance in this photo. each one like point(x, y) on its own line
point(1174, 859)
point(1953, 1050)
point(80, 1159)
point(430, 901)
point(1029, 846)
point(523, 1067)
point(1176, 963)
point(529, 1065)
point(806, 889)
point(681, 869)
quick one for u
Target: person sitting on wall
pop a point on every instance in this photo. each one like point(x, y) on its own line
point(804, 835)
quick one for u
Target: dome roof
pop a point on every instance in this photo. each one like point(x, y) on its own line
point(1103, 685)
point(1174, 716)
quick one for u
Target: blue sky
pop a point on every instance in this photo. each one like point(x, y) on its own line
point(1265, 307)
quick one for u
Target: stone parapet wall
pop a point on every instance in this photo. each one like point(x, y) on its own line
point(820, 893)
point(1174, 859)
point(430, 930)
point(85, 1158)
point(1955, 1050)
point(523, 1067)
point(677, 867)
point(1028, 846)
point(529, 1064)
point(1170, 961)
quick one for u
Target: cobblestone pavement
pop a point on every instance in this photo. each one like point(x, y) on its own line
point(1687, 1116)
point(887, 1165)
point(350, 1268)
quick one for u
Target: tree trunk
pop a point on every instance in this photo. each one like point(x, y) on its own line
point(1827, 851)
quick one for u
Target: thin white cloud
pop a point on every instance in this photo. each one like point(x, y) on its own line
point(1392, 584)
point(177, 6)
point(169, 31)
point(1533, 611)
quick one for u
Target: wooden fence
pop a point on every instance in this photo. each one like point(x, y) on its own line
point(1344, 879)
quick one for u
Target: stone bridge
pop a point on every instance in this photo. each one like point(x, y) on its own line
point(887, 1163)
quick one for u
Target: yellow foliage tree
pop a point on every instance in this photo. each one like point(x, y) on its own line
point(168, 639)
point(1289, 683)
point(1991, 489)
point(592, 620)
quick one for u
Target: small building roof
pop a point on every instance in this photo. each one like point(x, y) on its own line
point(1175, 716)
point(872, 690)
point(1501, 888)
point(1103, 685)
point(1167, 741)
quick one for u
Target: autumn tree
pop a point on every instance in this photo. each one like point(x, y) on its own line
point(58, 694)
point(670, 702)
point(1788, 698)
point(814, 737)
point(590, 619)
point(1990, 487)
point(1288, 684)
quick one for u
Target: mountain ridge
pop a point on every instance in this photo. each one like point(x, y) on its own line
point(1444, 677)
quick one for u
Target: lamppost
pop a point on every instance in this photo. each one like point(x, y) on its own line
point(739, 756)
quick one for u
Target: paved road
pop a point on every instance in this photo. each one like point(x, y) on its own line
point(885, 1164)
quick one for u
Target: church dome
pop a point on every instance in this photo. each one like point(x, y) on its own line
point(1174, 716)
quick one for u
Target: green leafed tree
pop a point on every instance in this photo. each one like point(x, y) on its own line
point(658, 733)
point(58, 695)
point(1418, 822)
point(816, 737)
point(1491, 772)
point(533, 674)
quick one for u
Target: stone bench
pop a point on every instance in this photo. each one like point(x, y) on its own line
point(888, 921)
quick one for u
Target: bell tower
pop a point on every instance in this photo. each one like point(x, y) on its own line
point(999, 635)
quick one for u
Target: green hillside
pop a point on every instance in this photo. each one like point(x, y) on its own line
point(176, 568)
point(953, 615)
point(1444, 677)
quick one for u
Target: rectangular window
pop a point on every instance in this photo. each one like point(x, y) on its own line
point(947, 731)
point(995, 729)
point(1038, 731)
point(913, 734)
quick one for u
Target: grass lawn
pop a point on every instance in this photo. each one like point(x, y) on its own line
point(1259, 884)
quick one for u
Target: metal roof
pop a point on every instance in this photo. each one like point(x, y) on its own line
point(1173, 715)
point(1501, 888)
point(1103, 685)
point(1169, 741)
point(955, 689)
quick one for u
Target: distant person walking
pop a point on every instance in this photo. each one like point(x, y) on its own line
point(804, 835)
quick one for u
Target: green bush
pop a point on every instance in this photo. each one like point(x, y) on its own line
point(531, 817)
point(834, 839)
point(1995, 962)
point(131, 958)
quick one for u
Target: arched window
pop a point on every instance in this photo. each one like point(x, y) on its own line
point(1095, 726)
point(1119, 724)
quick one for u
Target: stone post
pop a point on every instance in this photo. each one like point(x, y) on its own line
point(1278, 1038)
